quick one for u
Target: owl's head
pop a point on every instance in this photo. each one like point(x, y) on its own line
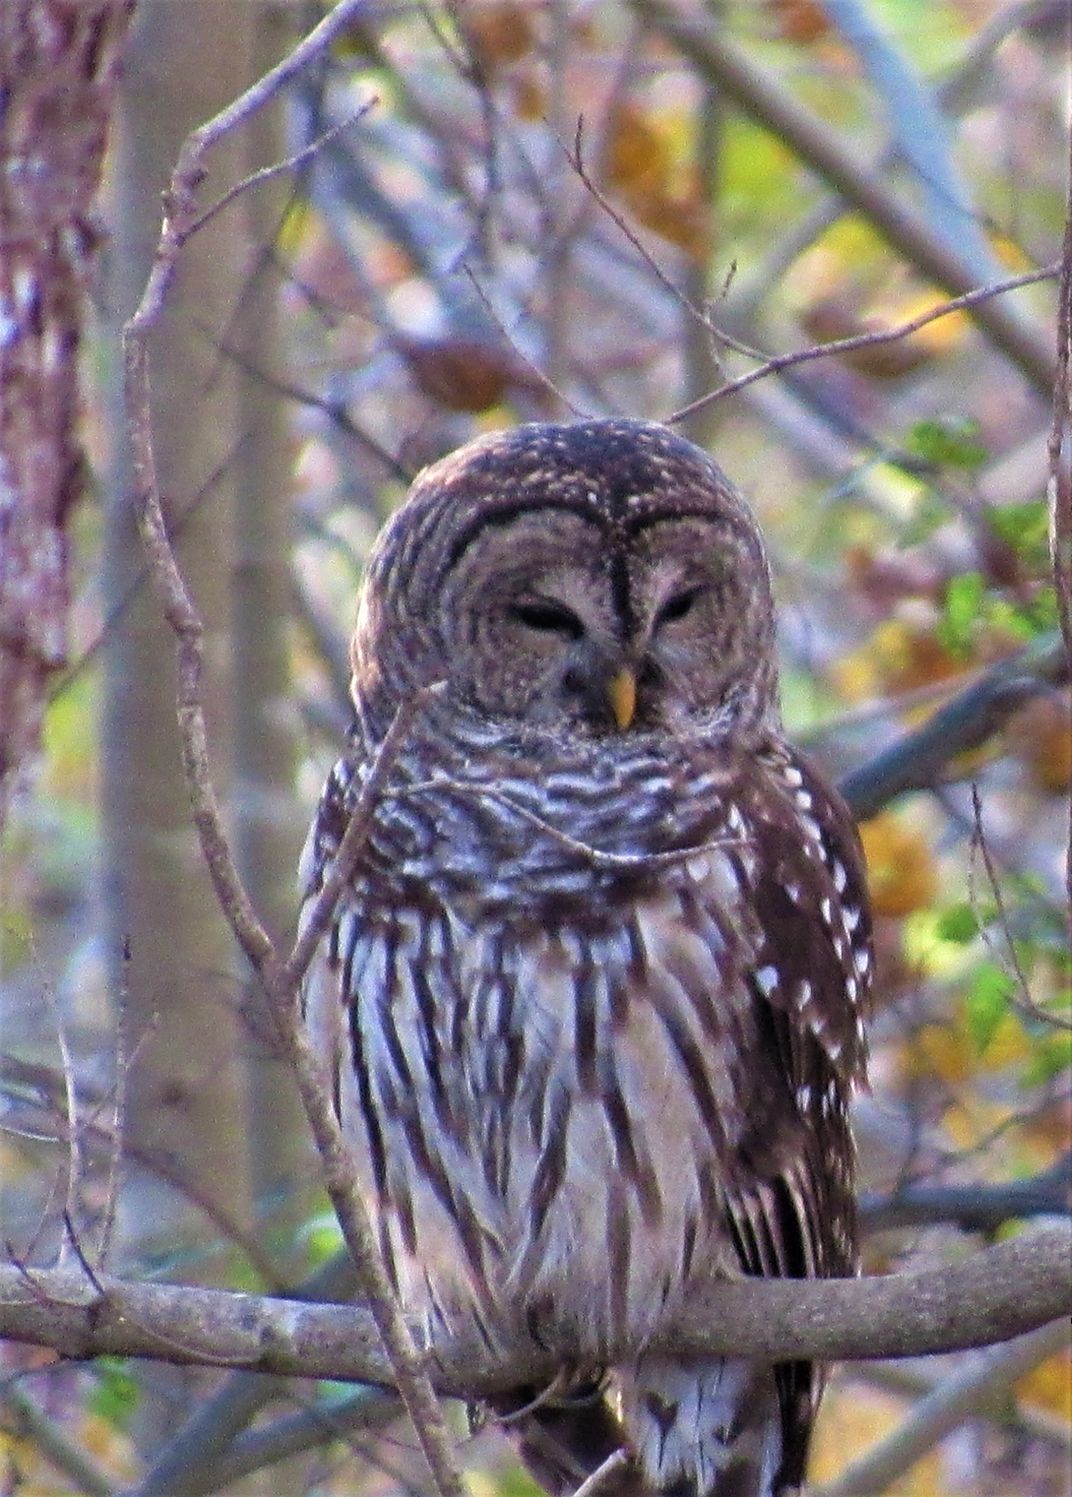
point(590, 579)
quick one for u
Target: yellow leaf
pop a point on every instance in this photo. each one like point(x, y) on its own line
point(1049, 1386)
point(938, 1050)
point(636, 153)
point(970, 1121)
point(901, 654)
point(853, 1418)
point(1008, 1046)
point(901, 871)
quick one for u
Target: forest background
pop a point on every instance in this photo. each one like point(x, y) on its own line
point(452, 218)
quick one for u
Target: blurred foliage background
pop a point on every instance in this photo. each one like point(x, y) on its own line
point(521, 210)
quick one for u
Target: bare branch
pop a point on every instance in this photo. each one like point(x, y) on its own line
point(918, 759)
point(782, 361)
point(1059, 486)
point(996, 1293)
point(34, 1424)
point(953, 1401)
point(1021, 999)
point(278, 168)
point(280, 980)
point(974, 1207)
point(742, 79)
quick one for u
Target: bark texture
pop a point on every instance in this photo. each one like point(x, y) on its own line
point(58, 63)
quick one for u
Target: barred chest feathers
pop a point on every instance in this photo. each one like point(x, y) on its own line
point(525, 1067)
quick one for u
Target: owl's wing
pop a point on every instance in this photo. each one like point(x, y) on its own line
point(791, 1208)
point(810, 980)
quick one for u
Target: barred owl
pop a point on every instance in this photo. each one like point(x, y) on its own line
point(591, 1000)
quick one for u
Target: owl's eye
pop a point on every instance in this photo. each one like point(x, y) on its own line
point(678, 606)
point(548, 617)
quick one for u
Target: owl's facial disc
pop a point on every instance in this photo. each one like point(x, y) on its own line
point(615, 646)
point(595, 619)
point(565, 628)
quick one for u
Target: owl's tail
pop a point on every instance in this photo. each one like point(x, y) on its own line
point(711, 1427)
point(699, 1428)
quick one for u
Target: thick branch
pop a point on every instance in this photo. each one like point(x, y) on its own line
point(997, 1293)
point(973, 1208)
point(917, 761)
point(58, 65)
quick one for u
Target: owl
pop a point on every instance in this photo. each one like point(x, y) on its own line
point(592, 999)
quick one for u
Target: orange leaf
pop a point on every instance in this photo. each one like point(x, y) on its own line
point(635, 154)
point(901, 870)
point(800, 21)
point(500, 34)
point(1040, 735)
point(1049, 1386)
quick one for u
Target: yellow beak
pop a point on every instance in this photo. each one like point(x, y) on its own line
point(621, 689)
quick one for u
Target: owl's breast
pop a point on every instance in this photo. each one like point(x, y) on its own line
point(530, 1089)
point(506, 837)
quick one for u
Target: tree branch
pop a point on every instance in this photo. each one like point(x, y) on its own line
point(761, 97)
point(917, 760)
point(996, 1293)
point(973, 1208)
point(280, 978)
point(953, 1401)
point(791, 360)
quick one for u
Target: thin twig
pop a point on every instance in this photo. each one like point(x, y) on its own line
point(125, 1058)
point(278, 168)
point(75, 1151)
point(1024, 1003)
point(1059, 485)
point(61, 1452)
point(596, 856)
point(782, 361)
point(353, 839)
point(603, 1474)
point(576, 160)
point(742, 79)
point(534, 369)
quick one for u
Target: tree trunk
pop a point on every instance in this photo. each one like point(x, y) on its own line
point(268, 824)
point(57, 77)
point(170, 953)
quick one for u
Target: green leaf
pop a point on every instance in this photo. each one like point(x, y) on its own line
point(962, 607)
point(115, 1394)
point(1051, 1055)
point(958, 925)
point(948, 443)
point(930, 513)
point(1024, 527)
point(322, 1237)
point(985, 1004)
